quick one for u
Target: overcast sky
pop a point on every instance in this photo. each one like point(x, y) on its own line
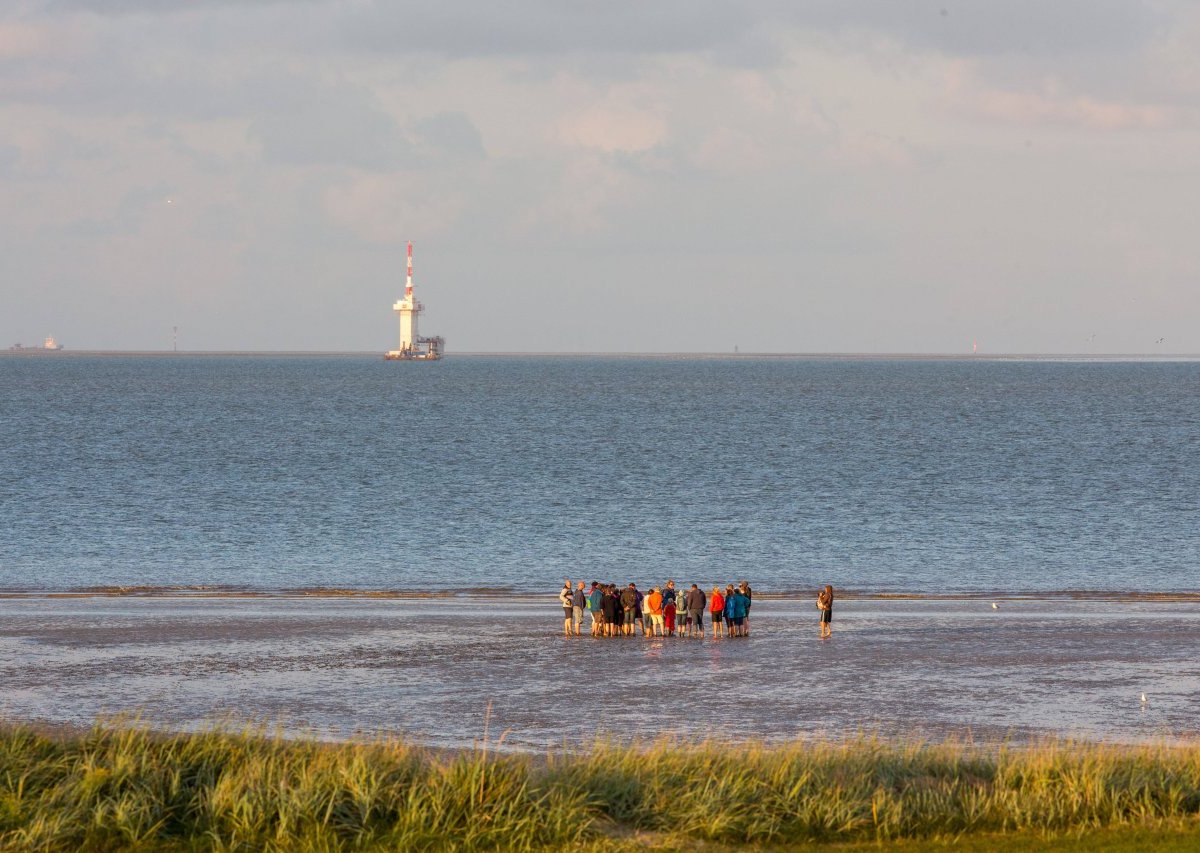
point(687, 175)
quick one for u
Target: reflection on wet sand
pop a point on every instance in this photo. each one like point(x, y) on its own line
point(429, 669)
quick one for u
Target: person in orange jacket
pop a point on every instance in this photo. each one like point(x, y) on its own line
point(654, 608)
point(716, 611)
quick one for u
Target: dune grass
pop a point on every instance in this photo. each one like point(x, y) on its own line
point(122, 787)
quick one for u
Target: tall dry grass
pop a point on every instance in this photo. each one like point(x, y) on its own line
point(121, 787)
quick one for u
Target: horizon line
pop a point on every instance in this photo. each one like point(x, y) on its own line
point(964, 356)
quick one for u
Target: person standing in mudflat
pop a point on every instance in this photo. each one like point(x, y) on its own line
point(735, 604)
point(578, 604)
point(629, 606)
point(595, 600)
point(654, 610)
point(745, 590)
point(730, 623)
point(611, 605)
point(716, 610)
point(825, 605)
point(638, 610)
point(668, 594)
point(695, 606)
point(564, 598)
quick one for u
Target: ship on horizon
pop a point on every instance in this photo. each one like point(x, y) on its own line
point(413, 347)
point(48, 345)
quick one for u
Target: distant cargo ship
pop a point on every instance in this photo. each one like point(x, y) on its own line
point(48, 345)
point(413, 347)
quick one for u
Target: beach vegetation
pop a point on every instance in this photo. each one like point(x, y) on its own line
point(124, 787)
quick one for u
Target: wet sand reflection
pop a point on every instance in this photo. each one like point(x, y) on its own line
point(428, 669)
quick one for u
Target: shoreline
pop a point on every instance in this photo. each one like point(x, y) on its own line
point(188, 592)
point(32, 352)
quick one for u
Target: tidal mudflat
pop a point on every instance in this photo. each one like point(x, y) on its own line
point(438, 671)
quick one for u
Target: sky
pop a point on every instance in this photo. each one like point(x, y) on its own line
point(602, 176)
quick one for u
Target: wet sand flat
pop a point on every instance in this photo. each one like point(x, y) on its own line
point(429, 670)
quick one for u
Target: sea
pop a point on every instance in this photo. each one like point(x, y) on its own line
point(486, 474)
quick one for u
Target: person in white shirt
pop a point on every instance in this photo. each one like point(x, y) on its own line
point(564, 596)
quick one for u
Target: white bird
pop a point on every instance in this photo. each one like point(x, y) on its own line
point(1143, 698)
point(995, 606)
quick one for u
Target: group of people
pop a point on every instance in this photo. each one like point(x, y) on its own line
point(665, 611)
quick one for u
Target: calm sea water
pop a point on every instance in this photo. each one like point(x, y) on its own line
point(510, 473)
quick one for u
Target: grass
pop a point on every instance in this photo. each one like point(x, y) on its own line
point(123, 787)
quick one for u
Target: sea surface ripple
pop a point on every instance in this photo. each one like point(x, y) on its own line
point(909, 476)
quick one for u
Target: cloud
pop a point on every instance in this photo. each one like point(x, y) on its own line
point(19, 40)
point(161, 7)
point(10, 157)
point(460, 28)
point(387, 209)
point(1049, 102)
point(851, 163)
point(985, 27)
point(337, 127)
point(1033, 108)
point(451, 134)
point(613, 128)
point(127, 217)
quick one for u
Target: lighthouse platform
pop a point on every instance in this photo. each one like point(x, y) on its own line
point(426, 349)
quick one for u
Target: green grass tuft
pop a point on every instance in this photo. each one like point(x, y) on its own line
point(123, 787)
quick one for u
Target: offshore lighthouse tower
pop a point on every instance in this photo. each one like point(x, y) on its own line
point(413, 347)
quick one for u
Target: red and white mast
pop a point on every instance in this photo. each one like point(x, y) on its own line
point(408, 308)
point(408, 285)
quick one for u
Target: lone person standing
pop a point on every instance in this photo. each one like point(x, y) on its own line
point(825, 605)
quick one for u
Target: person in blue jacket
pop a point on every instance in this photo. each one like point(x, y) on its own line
point(595, 601)
point(732, 620)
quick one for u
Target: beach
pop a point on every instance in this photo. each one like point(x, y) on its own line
point(447, 671)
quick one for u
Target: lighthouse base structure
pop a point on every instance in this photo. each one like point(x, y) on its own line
point(425, 349)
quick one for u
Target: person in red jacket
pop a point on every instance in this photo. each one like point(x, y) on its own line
point(716, 611)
